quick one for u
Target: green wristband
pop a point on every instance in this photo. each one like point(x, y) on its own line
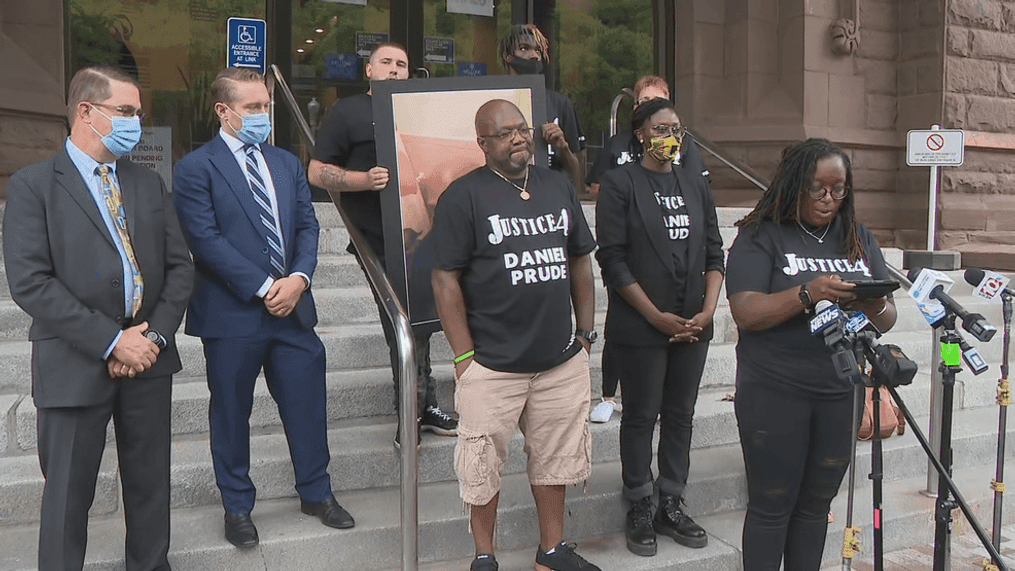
point(465, 356)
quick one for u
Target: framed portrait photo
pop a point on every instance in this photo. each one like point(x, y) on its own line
point(426, 137)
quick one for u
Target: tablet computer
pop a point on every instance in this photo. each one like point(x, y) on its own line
point(867, 289)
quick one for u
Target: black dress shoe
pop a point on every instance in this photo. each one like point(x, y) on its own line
point(240, 530)
point(331, 514)
point(641, 537)
point(672, 521)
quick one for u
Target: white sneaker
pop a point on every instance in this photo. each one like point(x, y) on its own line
point(602, 412)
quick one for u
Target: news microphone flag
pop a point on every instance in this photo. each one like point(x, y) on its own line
point(986, 284)
point(932, 310)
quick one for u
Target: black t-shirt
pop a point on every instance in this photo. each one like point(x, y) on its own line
point(346, 139)
point(676, 220)
point(619, 151)
point(514, 254)
point(560, 110)
point(774, 259)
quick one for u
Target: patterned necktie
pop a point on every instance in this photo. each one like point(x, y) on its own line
point(275, 253)
point(114, 202)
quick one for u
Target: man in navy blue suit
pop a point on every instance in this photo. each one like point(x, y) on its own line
point(246, 213)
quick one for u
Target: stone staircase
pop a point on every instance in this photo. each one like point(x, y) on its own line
point(365, 467)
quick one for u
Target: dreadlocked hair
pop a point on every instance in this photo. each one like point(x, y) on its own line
point(527, 33)
point(781, 202)
point(643, 113)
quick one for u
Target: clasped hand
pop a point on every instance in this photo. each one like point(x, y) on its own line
point(283, 295)
point(132, 354)
point(681, 329)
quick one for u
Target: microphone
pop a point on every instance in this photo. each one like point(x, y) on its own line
point(829, 321)
point(971, 355)
point(924, 280)
point(929, 285)
point(987, 284)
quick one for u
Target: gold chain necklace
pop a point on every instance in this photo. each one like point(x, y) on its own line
point(522, 192)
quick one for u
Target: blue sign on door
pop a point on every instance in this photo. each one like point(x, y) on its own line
point(341, 66)
point(246, 43)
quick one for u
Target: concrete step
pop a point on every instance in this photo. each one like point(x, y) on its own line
point(290, 540)
point(363, 458)
point(908, 515)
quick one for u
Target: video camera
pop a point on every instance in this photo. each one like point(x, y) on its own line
point(848, 336)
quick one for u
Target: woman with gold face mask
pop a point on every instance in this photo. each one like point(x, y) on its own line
point(662, 261)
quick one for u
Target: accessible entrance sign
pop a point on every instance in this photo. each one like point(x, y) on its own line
point(941, 147)
point(246, 43)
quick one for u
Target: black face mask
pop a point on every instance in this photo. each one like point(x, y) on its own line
point(526, 66)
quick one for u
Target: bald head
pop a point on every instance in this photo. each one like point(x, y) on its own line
point(494, 115)
point(503, 134)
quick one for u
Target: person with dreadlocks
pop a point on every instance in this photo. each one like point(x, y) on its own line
point(662, 260)
point(526, 51)
point(799, 245)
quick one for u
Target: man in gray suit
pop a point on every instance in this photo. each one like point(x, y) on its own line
point(95, 255)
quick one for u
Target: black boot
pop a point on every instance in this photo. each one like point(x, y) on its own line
point(672, 521)
point(641, 538)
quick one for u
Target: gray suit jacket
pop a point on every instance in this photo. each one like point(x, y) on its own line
point(65, 272)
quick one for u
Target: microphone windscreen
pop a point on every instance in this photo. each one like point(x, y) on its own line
point(913, 272)
point(973, 276)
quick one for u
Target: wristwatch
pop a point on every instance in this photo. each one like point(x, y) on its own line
point(589, 336)
point(805, 298)
point(156, 338)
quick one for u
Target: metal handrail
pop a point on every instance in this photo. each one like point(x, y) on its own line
point(404, 340)
point(716, 151)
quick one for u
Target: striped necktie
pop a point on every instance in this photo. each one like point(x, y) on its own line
point(276, 255)
point(114, 202)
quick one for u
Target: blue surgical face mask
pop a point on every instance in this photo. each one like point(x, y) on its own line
point(256, 127)
point(124, 136)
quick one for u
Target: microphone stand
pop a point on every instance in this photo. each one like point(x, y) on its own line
point(877, 477)
point(951, 363)
point(1003, 401)
point(850, 539)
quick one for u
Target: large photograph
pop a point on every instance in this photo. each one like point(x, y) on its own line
point(426, 136)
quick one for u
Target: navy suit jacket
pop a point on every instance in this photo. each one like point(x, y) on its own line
point(222, 225)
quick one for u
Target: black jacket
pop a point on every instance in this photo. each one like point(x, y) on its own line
point(634, 247)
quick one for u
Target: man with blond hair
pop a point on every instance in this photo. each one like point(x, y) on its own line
point(246, 213)
point(95, 256)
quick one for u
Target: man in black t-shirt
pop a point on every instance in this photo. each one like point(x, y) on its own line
point(526, 51)
point(511, 260)
point(345, 163)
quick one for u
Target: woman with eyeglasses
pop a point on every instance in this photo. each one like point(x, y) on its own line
point(801, 244)
point(662, 261)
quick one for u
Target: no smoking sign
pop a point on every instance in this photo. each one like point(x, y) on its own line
point(943, 147)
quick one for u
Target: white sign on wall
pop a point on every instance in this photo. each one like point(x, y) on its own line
point(155, 151)
point(940, 147)
point(474, 7)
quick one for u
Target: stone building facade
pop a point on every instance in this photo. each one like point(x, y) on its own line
point(753, 76)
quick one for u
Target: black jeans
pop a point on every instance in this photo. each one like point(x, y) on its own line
point(796, 450)
point(658, 382)
point(425, 396)
point(611, 377)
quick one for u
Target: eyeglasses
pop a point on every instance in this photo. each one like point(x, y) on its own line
point(123, 110)
point(819, 192)
point(677, 131)
point(510, 134)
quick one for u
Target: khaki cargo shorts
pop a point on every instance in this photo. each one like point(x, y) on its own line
point(550, 408)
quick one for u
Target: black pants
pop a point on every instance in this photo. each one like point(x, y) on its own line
point(71, 441)
point(425, 396)
point(658, 382)
point(611, 377)
point(796, 450)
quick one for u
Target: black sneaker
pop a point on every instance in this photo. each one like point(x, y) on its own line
point(439, 422)
point(563, 558)
point(672, 521)
point(484, 563)
point(641, 537)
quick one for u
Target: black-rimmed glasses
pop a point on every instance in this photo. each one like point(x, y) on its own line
point(819, 192)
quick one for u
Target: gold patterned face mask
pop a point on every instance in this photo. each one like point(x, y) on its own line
point(663, 149)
